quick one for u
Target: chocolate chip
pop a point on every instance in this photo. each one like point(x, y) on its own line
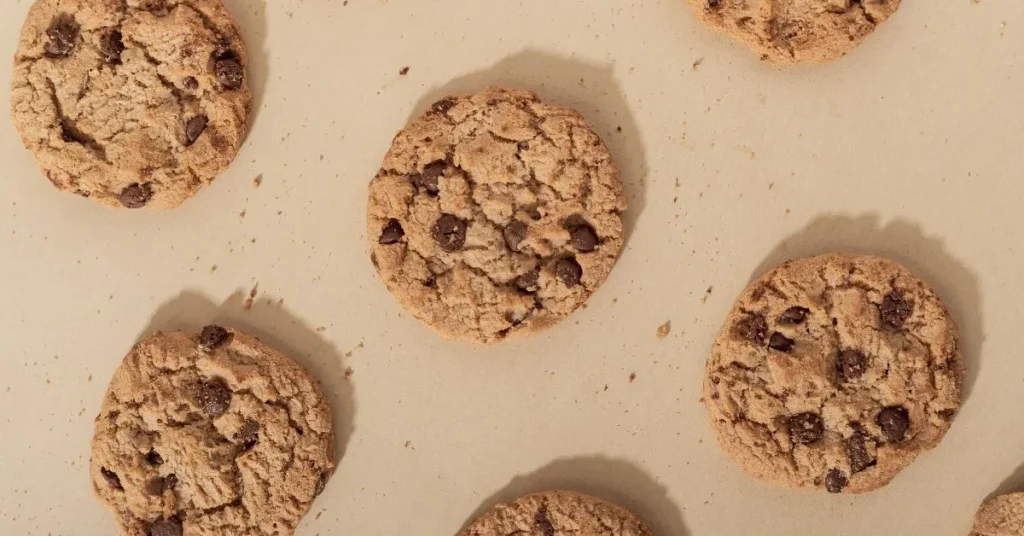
point(543, 522)
point(895, 310)
point(894, 421)
point(569, 271)
point(321, 483)
point(428, 180)
point(166, 527)
point(442, 106)
point(136, 195)
point(714, 4)
point(851, 364)
point(806, 428)
point(450, 233)
point(780, 342)
point(154, 458)
point(194, 128)
point(213, 336)
point(191, 83)
point(248, 435)
point(227, 67)
point(111, 46)
point(392, 233)
point(111, 478)
point(530, 281)
point(214, 397)
point(857, 452)
point(63, 34)
point(514, 234)
point(752, 328)
point(583, 238)
point(170, 482)
point(794, 315)
point(835, 481)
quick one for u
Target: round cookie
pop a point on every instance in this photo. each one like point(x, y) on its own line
point(834, 373)
point(495, 214)
point(796, 31)
point(131, 103)
point(210, 433)
point(1001, 516)
point(558, 513)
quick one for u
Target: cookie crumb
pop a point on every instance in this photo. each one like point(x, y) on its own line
point(213, 268)
point(697, 63)
point(252, 296)
point(664, 329)
point(632, 377)
point(349, 372)
point(321, 329)
point(242, 213)
point(606, 387)
point(257, 181)
point(707, 294)
point(404, 71)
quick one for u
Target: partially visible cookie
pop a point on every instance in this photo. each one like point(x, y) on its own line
point(1001, 516)
point(796, 31)
point(131, 103)
point(558, 513)
point(834, 373)
point(495, 215)
point(210, 433)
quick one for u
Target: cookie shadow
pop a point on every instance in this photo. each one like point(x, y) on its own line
point(589, 88)
point(278, 328)
point(251, 17)
point(1013, 483)
point(906, 243)
point(616, 481)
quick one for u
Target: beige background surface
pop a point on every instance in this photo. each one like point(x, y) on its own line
point(912, 147)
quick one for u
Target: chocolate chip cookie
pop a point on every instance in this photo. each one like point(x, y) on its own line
point(834, 373)
point(131, 103)
point(558, 513)
point(796, 31)
point(1001, 516)
point(210, 433)
point(495, 215)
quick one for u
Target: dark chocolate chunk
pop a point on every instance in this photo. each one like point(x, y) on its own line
point(194, 128)
point(191, 83)
point(153, 458)
point(112, 478)
point(136, 195)
point(214, 397)
point(857, 452)
point(212, 336)
point(895, 310)
point(543, 522)
point(514, 234)
point(569, 271)
point(428, 180)
point(894, 421)
point(530, 281)
point(780, 342)
point(62, 35)
point(753, 328)
point(166, 527)
point(794, 315)
point(450, 233)
point(248, 435)
point(583, 238)
point(392, 232)
point(851, 364)
point(111, 46)
point(321, 483)
point(442, 106)
point(806, 428)
point(227, 67)
point(835, 481)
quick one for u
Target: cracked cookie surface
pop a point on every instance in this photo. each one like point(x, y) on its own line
point(558, 513)
point(834, 373)
point(1001, 516)
point(131, 103)
point(495, 215)
point(796, 31)
point(210, 434)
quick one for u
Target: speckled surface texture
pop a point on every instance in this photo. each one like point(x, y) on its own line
point(730, 166)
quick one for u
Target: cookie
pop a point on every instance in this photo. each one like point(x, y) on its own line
point(558, 513)
point(495, 215)
point(210, 433)
point(131, 103)
point(1001, 516)
point(796, 31)
point(834, 373)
